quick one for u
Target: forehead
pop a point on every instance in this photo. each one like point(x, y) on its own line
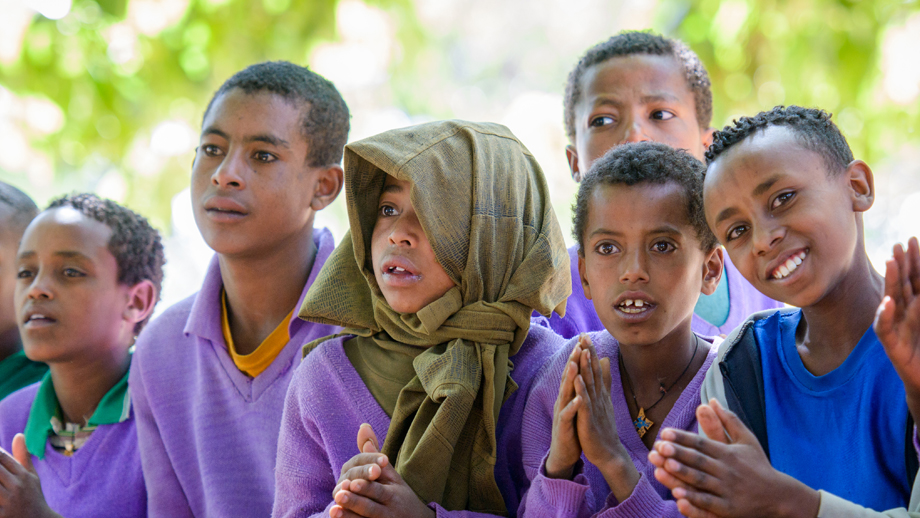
point(640, 207)
point(242, 114)
point(67, 229)
point(636, 76)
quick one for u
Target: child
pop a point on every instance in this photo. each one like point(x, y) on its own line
point(453, 244)
point(633, 87)
point(645, 256)
point(16, 371)
point(785, 196)
point(88, 276)
point(210, 374)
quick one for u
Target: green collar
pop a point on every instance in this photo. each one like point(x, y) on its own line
point(115, 407)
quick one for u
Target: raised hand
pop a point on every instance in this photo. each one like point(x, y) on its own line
point(20, 489)
point(370, 486)
point(729, 477)
point(565, 450)
point(596, 424)
point(897, 322)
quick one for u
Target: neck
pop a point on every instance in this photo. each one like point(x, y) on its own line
point(81, 385)
point(832, 327)
point(650, 366)
point(9, 343)
point(262, 290)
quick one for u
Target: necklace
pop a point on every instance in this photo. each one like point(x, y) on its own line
point(643, 423)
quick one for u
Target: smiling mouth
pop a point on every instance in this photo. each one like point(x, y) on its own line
point(785, 270)
point(635, 306)
point(38, 319)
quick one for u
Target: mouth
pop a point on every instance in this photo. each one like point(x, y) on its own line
point(634, 306)
point(399, 272)
point(790, 265)
point(224, 208)
point(38, 320)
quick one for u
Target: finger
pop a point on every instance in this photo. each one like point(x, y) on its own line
point(913, 259)
point(668, 480)
point(338, 511)
point(693, 477)
point(362, 459)
point(597, 371)
point(367, 439)
point(605, 370)
point(737, 432)
point(702, 502)
point(358, 504)
point(582, 392)
point(884, 320)
point(10, 464)
point(586, 372)
point(904, 287)
point(372, 490)
point(569, 411)
point(691, 511)
point(366, 472)
point(692, 441)
point(21, 454)
point(710, 424)
point(567, 387)
point(688, 457)
point(893, 285)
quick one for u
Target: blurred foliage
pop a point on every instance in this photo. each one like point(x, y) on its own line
point(114, 85)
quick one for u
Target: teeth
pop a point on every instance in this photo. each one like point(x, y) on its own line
point(628, 302)
point(783, 271)
point(398, 269)
point(633, 306)
point(639, 303)
point(789, 266)
point(36, 317)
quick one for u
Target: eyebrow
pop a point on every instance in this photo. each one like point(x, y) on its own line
point(659, 96)
point(667, 229)
point(765, 185)
point(260, 137)
point(725, 214)
point(67, 254)
point(392, 188)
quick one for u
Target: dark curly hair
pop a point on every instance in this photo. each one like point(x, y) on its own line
point(325, 117)
point(814, 130)
point(646, 162)
point(22, 210)
point(628, 43)
point(137, 246)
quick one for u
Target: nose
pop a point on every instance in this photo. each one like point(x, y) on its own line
point(634, 268)
point(635, 130)
point(766, 235)
point(406, 230)
point(40, 287)
point(230, 173)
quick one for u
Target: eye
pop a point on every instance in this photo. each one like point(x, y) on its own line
point(265, 157)
point(782, 199)
point(72, 272)
point(662, 115)
point(736, 232)
point(24, 274)
point(211, 150)
point(663, 247)
point(606, 248)
point(387, 211)
point(603, 120)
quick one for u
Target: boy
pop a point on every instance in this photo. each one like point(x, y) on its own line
point(88, 276)
point(210, 374)
point(647, 255)
point(785, 197)
point(633, 87)
point(16, 371)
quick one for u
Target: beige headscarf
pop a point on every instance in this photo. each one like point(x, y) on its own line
point(484, 205)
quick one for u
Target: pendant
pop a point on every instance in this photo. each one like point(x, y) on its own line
point(642, 423)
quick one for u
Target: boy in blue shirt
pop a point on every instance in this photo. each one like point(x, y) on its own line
point(634, 87)
point(822, 401)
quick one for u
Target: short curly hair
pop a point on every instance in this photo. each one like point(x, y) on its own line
point(646, 162)
point(325, 122)
point(22, 210)
point(814, 130)
point(628, 43)
point(137, 247)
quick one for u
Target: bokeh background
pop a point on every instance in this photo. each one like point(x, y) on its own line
point(107, 95)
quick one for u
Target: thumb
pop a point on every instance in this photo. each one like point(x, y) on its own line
point(21, 454)
point(605, 373)
point(710, 424)
point(367, 440)
point(737, 432)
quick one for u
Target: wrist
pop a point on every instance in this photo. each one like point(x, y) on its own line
point(620, 474)
point(556, 469)
point(799, 501)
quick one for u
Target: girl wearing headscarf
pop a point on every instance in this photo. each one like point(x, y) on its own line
point(453, 244)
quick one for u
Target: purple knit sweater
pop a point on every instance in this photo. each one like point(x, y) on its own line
point(208, 433)
point(327, 402)
point(102, 479)
point(744, 300)
point(588, 493)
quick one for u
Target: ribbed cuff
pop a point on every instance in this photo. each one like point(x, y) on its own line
point(644, 501)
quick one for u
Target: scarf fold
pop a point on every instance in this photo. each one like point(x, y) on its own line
point(484, 206)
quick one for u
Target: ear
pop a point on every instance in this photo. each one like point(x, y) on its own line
point(571, 155)
point(581, 273)
point(142, 297)
point(712, 270)
point(329, 183)
point(707, 138)
point(862, 185)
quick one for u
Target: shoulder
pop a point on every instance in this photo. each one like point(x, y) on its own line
point(324, 365)
point(539, 346)
point(14, 412)
point(163, 331)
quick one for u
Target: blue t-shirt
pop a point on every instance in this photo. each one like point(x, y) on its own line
point(844, 432)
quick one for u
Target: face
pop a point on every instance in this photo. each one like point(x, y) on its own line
point(9, 243)
point(69, 303)
point(790, 229)
point(643, 267)
point(252, 188)
point(406, 269)
point(633, 99)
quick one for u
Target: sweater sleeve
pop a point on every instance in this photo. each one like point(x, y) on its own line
point(304, 479)
point(165, 496)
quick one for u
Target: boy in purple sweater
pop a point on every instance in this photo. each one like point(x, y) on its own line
point(88, 276)
point(453, 244)
point(16, 371)
point(645, 256)
point(210, 374)
point(635, 87)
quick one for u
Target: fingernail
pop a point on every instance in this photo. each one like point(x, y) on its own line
point(679, 492)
